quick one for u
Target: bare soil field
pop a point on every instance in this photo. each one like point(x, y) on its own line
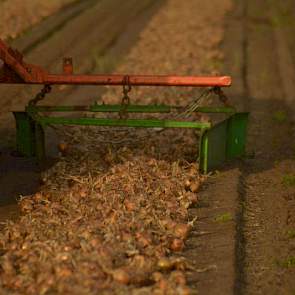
point(18, 16)
point(127, 212)
point(258, 40)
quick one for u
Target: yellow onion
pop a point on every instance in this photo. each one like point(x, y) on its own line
point(165, 264)
point(63, 272)
point(26, 205)
point(157, 276)
point(68, 248)
point(194, 187)
point(187, 183)
point(126, 236)
point(83, 193)
point(143, 239)
point(177, 245)
point(63, 147)
point(38, 197)
point(181, 231)
point(95, 242)
point(121, 276)
point(191, 197)
point(183, 290)
point(178, 277)
point(163, 285)
point(168, 223)
point(130, 206)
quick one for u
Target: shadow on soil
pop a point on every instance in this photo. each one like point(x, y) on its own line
point(265, 150)
point(19, 176)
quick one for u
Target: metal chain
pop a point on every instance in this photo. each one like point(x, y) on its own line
point(125, 99)
point(221, 95)
point(41, 95)
point(192, 107)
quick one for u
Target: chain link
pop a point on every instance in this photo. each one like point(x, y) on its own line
point(192, 107)
point(221, 95)
point(41, 95)
point(123, 114)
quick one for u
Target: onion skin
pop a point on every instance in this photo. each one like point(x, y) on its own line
point(195, 186)
point(187, 184)
point(83, 193)
point(38, 197)
point(177, 245)
point(165, 264)
point(130, 206)
point(95, 243)
point(178, 277)
point(63, 148)
point(183, 290)
point(121, 276)
point(181, 231)
point(157, 276)
point(192, 197)
point(143, 240)
point(163, 285)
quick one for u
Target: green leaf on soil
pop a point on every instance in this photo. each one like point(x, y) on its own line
point(286, 263)
point(289, 180)
point(280, 116)
point(291, 234)
point(224, 217)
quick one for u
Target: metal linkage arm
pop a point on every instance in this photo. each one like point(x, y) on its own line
point(15, 71)
point(139, 80)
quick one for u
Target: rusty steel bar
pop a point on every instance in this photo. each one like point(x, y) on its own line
point(15, 71)
point(141, 80)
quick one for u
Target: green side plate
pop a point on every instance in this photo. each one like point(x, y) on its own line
point(224, 141)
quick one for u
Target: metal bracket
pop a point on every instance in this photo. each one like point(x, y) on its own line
point(223, 142)
point(218, 143)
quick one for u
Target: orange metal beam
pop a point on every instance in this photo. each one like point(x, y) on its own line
point(16, 71)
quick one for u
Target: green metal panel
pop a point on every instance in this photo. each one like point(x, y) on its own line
point(219, 143)
point(236, 135)
point(222, 142)
point(213, 147)
point(144, 123)
point(203, 153)
point(25, 134)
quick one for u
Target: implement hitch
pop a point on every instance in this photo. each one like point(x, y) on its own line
point(219, 143)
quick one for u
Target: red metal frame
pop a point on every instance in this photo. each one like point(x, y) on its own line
point(15, 71)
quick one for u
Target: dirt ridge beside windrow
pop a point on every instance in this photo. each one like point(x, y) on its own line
point(265, 246)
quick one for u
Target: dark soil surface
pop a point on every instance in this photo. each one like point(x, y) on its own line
point(268, 196)
point(244, 239)
point(260, 194)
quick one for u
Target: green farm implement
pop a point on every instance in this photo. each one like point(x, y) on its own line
point(219, 142)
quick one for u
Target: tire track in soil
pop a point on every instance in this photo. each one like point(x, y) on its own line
point(253, 192)
point(219, 266)
point(266, 206)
